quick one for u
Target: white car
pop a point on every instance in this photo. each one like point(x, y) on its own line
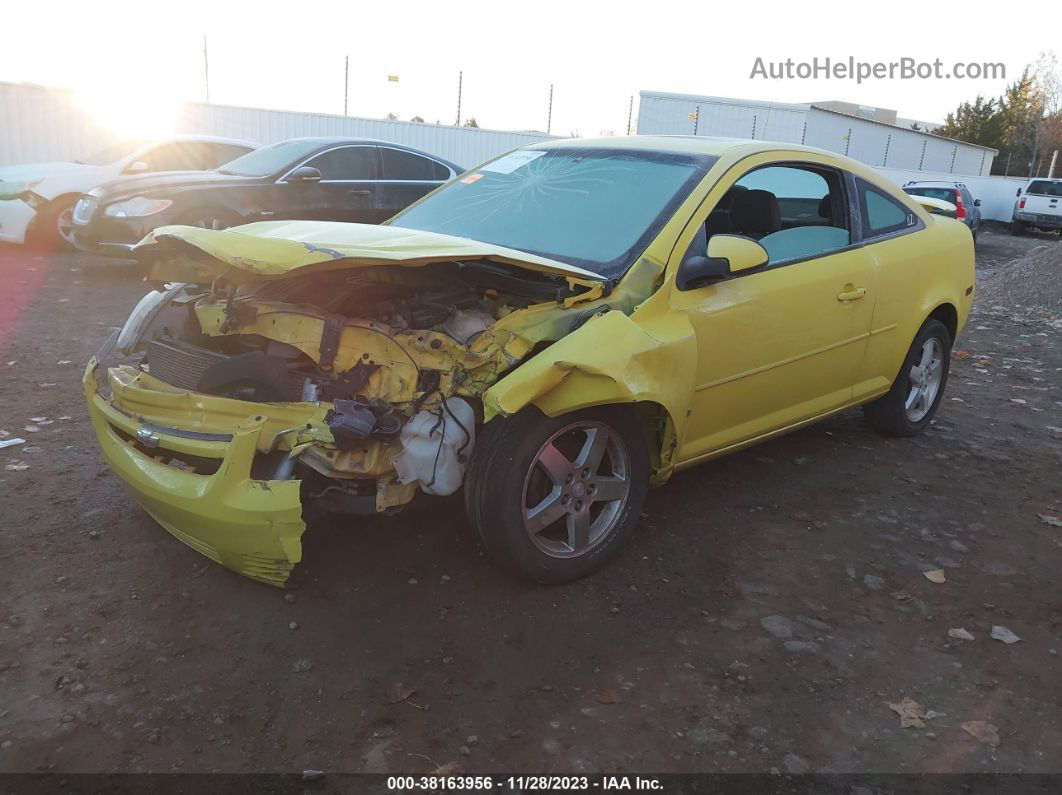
point(37, 199)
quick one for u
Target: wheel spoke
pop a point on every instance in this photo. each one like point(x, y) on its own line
point(593, 449)
point(912, 398)
point(927, 354)
point(545, 513)
point(554, 463)
point(608, 489)
point(578, 530)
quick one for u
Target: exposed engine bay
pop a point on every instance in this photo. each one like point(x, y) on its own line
point(401, 354)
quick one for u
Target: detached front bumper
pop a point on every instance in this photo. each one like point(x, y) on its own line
point(250, 525)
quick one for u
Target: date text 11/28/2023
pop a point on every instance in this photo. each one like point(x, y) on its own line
point(521, 783)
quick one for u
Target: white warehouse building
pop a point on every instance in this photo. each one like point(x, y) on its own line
point(862, 137)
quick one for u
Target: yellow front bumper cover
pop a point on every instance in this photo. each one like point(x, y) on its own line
point(249, 525)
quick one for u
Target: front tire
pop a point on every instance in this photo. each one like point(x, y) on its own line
point(909, 407)
point(556, 498)
point(53, 228)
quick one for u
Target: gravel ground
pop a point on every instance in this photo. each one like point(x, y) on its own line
point(772, 607)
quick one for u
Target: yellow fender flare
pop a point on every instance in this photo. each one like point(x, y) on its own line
point(609, 359)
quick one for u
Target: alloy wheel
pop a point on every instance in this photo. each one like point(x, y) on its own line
point(64, 225)
point(576, 489)
point(924, 380)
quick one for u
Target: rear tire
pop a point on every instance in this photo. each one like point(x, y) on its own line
point(1017, 228)
point(538, 509)
point(912, 402)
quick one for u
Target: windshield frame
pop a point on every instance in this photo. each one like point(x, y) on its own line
point(312, 148)
point(616, 268)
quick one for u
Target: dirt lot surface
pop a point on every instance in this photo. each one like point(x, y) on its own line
point(770, 609)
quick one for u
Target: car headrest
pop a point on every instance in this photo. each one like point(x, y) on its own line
point(826, 208)
point(755, 212)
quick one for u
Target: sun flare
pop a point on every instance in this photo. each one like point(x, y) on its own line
point(131, 114)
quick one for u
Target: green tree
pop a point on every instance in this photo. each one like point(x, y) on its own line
point(391, 117)
point(1020, 115)
point(978, 122)
point(418, 119)
point(471, 122)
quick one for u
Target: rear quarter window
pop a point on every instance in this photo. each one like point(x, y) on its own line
point(881, 214)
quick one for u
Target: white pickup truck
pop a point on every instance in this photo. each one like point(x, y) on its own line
point(1039, 206)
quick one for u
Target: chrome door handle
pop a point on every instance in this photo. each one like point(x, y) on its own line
point(852, 295)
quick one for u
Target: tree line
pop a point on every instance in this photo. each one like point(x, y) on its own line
point(1024, 124)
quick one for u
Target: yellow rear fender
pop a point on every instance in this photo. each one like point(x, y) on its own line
point(610, 359)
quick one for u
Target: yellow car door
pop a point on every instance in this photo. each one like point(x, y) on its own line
point(780, 344)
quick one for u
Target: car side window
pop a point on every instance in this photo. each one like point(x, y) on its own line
point(220, 154)
point(882, 214)
point(795, 211)
point(401, 165)
point(346, 163)
point(175, 156)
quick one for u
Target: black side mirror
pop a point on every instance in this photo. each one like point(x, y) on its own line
point(304, 174)
point(977, 202)
point(1018, 193)
point(698, 271)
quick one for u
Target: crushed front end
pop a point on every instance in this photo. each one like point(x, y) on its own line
point(355, 386)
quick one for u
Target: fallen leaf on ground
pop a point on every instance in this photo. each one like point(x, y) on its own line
point(801, 516)
point(608, 696)
point(962, 354)
point(910, 712)
point(31, 429)
point(901, 596)
point(936, 575)
point(399, 692)
point(449, 769)
point(1047, 518)
point(960, 633)
point(17, 466)
point(1004, 634)
point(983, 731)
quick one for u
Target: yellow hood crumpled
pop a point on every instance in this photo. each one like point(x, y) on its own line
point(275, 249)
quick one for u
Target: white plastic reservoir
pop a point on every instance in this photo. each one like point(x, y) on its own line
point(431, 442)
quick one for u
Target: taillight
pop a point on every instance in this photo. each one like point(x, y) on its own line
point(1021, 204)
point(960, 208)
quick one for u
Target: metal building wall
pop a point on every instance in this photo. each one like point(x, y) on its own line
point(874, 143)
point(686, 114)
point(38, 123)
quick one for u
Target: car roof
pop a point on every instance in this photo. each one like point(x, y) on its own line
point(323, 142)
point(680, 144)
point(916, 182)
point(214, 139)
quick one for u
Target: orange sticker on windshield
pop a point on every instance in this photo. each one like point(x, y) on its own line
point(472, 178)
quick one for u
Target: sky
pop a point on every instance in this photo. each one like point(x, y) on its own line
point(130, 61)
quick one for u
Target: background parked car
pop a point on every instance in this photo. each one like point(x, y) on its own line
point(967, 208)
point(328, 179)
point(1039, 206)
point(37, 199)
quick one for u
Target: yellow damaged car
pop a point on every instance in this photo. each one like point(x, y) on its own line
point(550, 333)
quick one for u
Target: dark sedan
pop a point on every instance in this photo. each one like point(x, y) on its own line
point(328, 179)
